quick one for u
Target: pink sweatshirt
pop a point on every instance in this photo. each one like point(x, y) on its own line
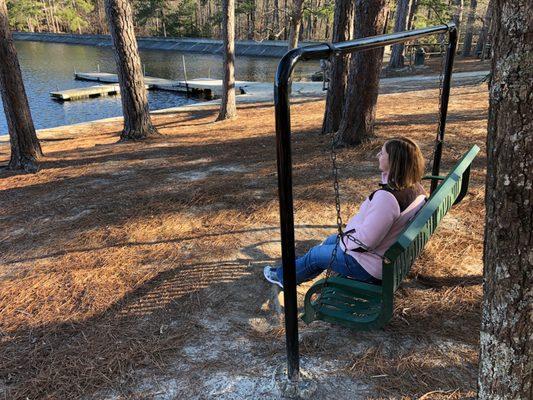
point(377, 225)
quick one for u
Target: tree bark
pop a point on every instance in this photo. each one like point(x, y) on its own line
point(163, 22)
point(467, 45)
point(46, 15)
point(101, 23)
point(342, 31)
point(457, 17)
point(296, 22)
point(506, 357)
point(228, 108)
point(264, 17)
point(412, 14)
point(483, 35)
point(402, 11)
point(25, 147)
point(251, 23)
point(287, 21)
point(53, 16)
point(276, 18)
point(359, 112)
point(137, 122)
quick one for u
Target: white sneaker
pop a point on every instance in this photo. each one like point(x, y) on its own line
point(272, 276)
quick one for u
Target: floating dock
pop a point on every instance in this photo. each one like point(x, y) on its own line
point(86, 93)
point(202, 88)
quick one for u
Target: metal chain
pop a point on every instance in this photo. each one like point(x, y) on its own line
point(443, 45)
point(366, 248)
point(333, 155)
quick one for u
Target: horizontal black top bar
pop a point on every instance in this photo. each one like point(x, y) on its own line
point(318, 51)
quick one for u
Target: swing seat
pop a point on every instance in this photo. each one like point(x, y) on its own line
point(362, 306)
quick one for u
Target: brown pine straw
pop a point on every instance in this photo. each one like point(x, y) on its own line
point(114, 255)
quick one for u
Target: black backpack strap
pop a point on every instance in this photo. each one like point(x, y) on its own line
point(384, 187)
point(403, 197)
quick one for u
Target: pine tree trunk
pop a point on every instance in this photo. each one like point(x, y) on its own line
point(137, 122)
point(265, 19)
point(228, 108)
point(276, 18)
point(483, 35)
point(46, 15)
point(287, 21)
point(25, 147)
point(342, 31)
point(402, 11)
point(506, 357)
point(163, 23)
point(467, 46)
point(306, 29)
point(412, 14)
point(55, 23)
point(457, 6)
point(359, 112)
point(296, 22)
point(251, 23)
point(101, 28)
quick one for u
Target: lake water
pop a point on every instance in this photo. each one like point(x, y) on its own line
point(49, 67)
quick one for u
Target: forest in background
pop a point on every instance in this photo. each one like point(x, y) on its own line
point(254, 19)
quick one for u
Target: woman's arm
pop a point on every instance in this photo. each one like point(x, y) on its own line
point(376, 222)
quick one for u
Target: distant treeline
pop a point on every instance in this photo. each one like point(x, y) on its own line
point(255, 19)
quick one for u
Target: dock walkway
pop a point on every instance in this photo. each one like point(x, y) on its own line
point(86, 93)
point(203, 88)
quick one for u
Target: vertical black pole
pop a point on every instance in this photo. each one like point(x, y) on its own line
point(283, 147)
point(445, 97)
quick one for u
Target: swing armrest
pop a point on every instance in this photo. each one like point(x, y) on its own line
point(434, 177)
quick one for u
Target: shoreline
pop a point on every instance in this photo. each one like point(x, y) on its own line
point(250, 48)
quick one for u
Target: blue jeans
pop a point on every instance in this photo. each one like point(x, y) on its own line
point(318, 258)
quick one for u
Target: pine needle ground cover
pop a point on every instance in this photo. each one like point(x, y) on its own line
point(134, 270)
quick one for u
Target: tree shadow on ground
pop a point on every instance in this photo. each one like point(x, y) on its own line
point(166, 179)
point(301, 245)
point(145, 329)
point(449, 281)
point(154, 326)
point(417, 119)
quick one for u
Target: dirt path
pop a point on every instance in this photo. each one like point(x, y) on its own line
point(134, 271)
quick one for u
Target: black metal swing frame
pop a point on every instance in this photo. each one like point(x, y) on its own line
point(282, 86)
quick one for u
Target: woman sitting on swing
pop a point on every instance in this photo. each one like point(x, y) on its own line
point(376, 226)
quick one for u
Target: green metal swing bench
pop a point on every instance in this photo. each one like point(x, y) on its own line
point(362, 306)
point(341, 300)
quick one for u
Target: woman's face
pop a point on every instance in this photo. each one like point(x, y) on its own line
point(383, 158)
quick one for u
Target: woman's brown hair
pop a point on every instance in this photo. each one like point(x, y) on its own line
point(406, 163)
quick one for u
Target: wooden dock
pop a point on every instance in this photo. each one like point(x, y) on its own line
point(86, 93)
point(202, 88)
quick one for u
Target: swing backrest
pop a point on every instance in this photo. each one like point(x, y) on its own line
point(402, 254)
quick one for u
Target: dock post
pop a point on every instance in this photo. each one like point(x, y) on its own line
point(185, 75)
point(98, 67)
